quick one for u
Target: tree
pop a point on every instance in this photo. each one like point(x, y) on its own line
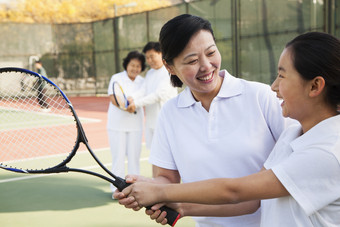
point(72, 11)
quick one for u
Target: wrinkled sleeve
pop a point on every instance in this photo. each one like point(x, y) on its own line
point(312, 177)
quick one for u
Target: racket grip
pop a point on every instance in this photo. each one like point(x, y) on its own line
point(171, 215)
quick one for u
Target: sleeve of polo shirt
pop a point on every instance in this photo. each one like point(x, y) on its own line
point(161, 154)
point(312, 177)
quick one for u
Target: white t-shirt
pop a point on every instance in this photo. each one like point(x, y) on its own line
point(308, 166)
point(233, 139)
point(120, 120)
point(156, 90)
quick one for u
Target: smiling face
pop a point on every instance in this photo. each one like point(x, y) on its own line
point(154, 59)
point(134, 68)
point(291, 88)
point(198, 65)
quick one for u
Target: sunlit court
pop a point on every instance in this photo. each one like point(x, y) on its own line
point(70, 199)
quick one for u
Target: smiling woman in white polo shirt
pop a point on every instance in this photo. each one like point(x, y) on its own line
point(219, 126)
point(300, 182)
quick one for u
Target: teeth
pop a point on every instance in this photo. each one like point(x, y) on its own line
point(206, 78)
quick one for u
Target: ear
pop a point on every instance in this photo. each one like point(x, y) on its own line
point(317, 86)
point(169, 68)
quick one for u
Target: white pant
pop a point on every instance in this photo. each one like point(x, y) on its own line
point(125, 144)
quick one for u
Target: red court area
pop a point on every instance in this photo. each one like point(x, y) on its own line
point(94, 108)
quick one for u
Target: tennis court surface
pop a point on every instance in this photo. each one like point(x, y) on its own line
point(72, 199)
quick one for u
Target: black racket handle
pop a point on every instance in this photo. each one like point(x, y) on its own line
point(172, 216)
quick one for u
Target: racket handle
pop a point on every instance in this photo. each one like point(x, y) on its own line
point(171, 215)
point(120, 183)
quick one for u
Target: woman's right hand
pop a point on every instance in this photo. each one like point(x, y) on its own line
point(132, 107)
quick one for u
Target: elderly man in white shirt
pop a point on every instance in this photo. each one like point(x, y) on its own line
point(156, 90)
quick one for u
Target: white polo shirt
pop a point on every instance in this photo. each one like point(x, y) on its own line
point(120, 120)
point(156, 90)
point(233, 139)
point(308, 166)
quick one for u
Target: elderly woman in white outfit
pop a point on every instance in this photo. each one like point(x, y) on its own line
point(125, 129)
point(300, 182)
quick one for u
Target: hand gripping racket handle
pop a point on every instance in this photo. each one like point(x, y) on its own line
point(171, 215)
point(128, 103)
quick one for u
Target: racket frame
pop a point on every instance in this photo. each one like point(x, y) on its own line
point(124, 96)
point(115, 97)
point(118, 182)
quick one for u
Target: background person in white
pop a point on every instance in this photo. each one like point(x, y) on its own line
point(125, 129)
point(219, 126)
point(300, 183)
point(156, 90)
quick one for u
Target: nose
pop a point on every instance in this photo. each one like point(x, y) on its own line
point(205, 64)
point(275, 85)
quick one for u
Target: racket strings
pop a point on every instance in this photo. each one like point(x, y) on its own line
point(120, 97)
point(36, 122)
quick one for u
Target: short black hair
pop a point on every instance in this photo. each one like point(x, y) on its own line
point(152, 46)
point(318, 54)
point(134, 55)
point(175, 35)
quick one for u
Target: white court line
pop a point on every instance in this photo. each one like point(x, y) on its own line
point(57, 155)
point(45, 175)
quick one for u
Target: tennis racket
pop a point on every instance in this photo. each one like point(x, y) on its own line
point(119, 96)
point(30, 130)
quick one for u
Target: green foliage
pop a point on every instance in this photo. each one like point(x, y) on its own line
point(72, 11)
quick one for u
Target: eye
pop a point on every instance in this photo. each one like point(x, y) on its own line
point(191, 62)
point(211, 53)
point(280, 76)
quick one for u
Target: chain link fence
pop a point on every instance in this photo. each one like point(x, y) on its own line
point(250, 35)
